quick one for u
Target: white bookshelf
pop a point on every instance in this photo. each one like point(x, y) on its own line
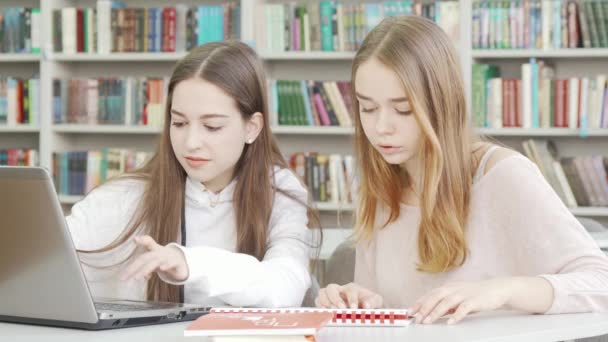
point(528, 53)
point(104, 129)
point(530, 132)
point(340, 207)
point(312, 130)
point(333, 207)
point(69, 199)
point(19, 57)
point(332, 238)
point(49, 137)
point(303, 55)
point(494, 132)
point(116, 57)
point(601, 238)
point(590, 211)
point(19, 129)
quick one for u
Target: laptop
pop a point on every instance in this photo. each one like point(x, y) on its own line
point(41, 279)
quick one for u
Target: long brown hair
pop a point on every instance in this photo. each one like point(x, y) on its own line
point(424, 59)
point(235, 68)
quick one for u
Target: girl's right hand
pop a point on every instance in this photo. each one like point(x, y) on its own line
point(350, 296)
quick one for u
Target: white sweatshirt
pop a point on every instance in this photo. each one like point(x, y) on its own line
point(218, 275)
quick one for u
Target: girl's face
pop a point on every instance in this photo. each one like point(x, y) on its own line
point(208, 133)
point(386, 116)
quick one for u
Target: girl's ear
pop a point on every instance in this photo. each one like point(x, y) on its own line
point(254, 127)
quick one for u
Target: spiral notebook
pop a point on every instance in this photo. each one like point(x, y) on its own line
point(341, 317)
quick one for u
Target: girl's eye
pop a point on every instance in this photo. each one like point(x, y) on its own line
point(367, 110)
point(405, 112)
point(177, 124)
point(213, 129)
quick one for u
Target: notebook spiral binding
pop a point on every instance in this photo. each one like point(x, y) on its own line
point(342, 317)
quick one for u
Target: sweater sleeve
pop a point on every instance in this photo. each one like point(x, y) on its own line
point(544, 238)
point(95, 222)
point(281, 278)
point(103, 214)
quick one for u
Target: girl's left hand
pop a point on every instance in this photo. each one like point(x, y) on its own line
point(462, 299)
point(168, 261)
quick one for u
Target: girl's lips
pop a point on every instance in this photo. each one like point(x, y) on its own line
point(389, 149)
point(196, 162)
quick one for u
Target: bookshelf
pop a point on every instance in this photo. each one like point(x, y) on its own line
point(314, 65)
point(105, 129)
point(528, 53)
point(117, 57)
point(19, 57)
point(26, 66)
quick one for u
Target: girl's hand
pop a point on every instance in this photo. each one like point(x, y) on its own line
point(350, 296)
point(168, 261)
point(462, 299)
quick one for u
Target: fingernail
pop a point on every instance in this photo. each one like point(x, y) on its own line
point(341, 306)
point(451, 321)
point(427, 320)
point(366, 305)
point(353, 305)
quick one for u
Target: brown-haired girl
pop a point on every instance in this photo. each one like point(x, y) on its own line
point(215, 210)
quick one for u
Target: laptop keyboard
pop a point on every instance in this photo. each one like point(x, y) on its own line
point(132, 307)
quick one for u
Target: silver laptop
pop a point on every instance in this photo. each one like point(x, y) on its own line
point(41, 280)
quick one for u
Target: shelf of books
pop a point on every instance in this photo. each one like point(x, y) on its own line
point(533, 72)
point(538, 71)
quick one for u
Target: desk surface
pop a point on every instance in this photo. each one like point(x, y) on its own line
point(494, 327)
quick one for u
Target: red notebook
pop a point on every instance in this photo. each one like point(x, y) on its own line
point(241, 323)
point(340, 317)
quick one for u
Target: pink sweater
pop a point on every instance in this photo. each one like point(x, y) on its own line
point(518, 226)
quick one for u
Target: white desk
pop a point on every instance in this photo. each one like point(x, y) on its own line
point(489, 327)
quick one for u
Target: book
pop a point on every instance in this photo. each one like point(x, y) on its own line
point(340, 317)
point(234, 323)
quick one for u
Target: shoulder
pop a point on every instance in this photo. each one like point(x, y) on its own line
point(497, 157)
point(500, 154)
point(286, 180)
point(117, 191)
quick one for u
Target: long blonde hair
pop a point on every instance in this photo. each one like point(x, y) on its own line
point(424, 59)
point(235, 68)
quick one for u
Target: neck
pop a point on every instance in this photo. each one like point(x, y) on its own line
point(218, 183)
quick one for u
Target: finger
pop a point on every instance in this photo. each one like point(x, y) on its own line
point(323, 300)
point(147, 242)
point(428, 304)
point(371, 301)
point(147, 269)
point(351, 296)
point(462, 311)
point(133, 270)
point(442, 308)
point(418, 304)
point(333, 294)
point(141, 260)
point(167, 266)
